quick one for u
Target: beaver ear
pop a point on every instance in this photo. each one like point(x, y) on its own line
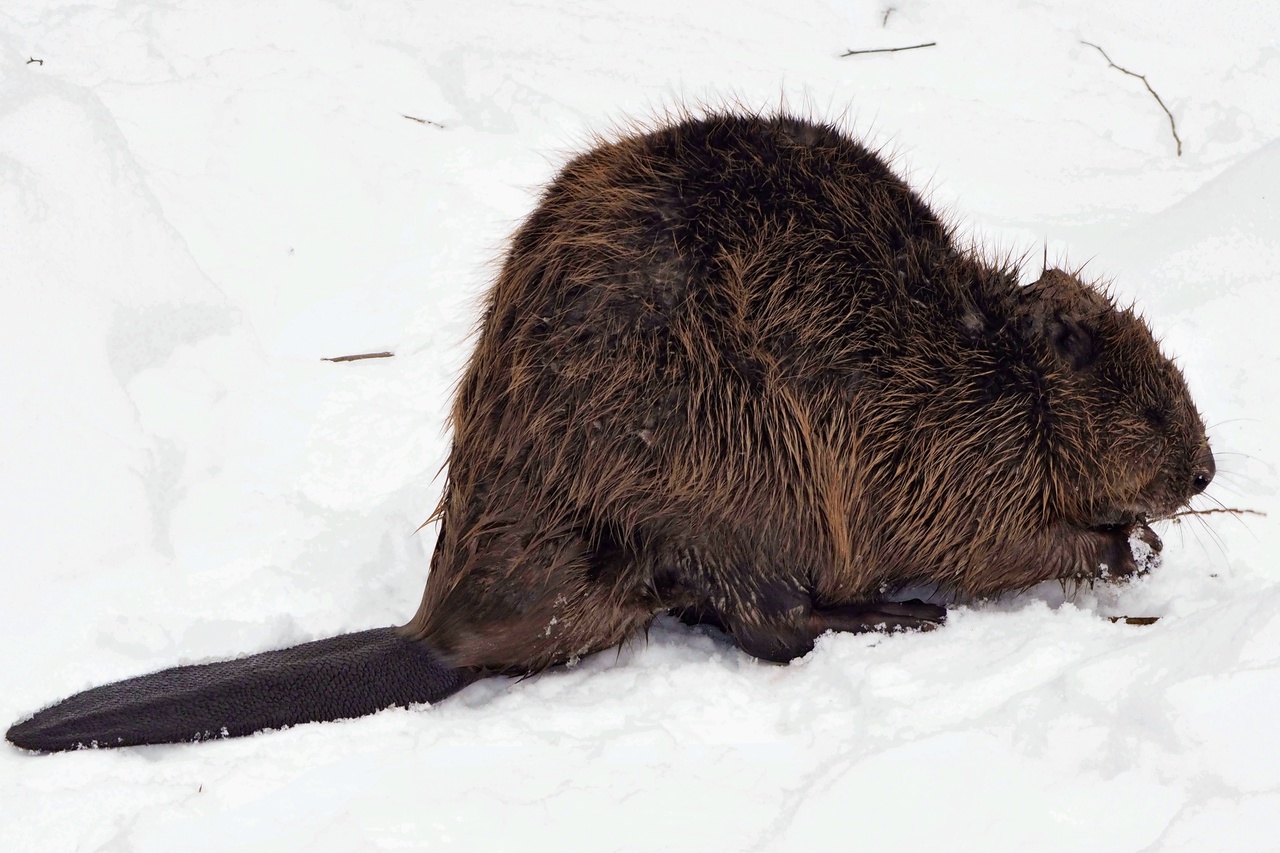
point(1072, 340)
point(1052, 310)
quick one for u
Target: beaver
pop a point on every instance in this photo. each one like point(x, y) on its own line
point(734, 368)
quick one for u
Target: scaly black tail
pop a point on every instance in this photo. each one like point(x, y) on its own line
point(346, 676)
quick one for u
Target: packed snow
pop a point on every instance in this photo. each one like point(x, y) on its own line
point(200, 201)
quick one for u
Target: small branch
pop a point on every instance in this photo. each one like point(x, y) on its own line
point(1135, 620)
point(1172, 126)
point(1224, 510)
point(423, 121)
point(884, 22)
point(38, 61)
point(360, 356)
point(887, 49)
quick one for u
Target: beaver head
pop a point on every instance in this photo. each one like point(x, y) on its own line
point(1127, 442)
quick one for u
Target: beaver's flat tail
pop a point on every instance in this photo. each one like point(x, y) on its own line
point(346, 676)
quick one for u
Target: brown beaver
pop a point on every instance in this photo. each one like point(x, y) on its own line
point(734, 369)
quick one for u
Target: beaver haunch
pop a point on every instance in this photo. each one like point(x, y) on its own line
point(735, 369)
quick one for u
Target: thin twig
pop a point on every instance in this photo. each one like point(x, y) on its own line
point(1226, 510)
point(360, 356)
point(1172, 126)
point(884, 22)
point(39, 61)
point(887, 49)
point(423, 121)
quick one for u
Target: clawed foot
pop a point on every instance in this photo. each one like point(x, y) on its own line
point(887, 616)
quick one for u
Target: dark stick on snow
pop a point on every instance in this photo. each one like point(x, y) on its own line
point(39, 61)
point(360, 356)
point(887, 49)
point(884, 22)
point(1172, 126)
point(1135, 620)
point(423, 121)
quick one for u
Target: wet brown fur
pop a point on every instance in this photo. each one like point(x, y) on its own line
point(735, 368)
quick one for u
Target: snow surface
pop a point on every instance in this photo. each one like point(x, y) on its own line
point(198, 201)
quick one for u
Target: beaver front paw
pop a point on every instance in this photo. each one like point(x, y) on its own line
point(1125, 551)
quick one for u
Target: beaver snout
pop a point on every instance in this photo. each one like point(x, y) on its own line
point(1203, 471)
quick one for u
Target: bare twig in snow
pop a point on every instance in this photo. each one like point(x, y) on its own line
point(888, 49)
point(38, 61)
point(360, 356)
point(423, 121)
point(1172, 126)
point(1226, 510)
point(1135, 620)
point(884, 22)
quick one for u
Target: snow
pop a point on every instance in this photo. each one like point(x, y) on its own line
point(200, 201)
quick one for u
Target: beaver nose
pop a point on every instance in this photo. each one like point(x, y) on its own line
point(1204, 470)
